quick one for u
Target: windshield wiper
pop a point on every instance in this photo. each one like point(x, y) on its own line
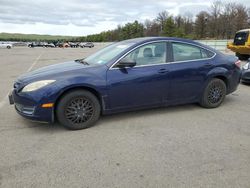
point(82, 61)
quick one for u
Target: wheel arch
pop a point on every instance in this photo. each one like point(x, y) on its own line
point(223, 78)
point(86, 88)
point(219, 76)
point(219, 73)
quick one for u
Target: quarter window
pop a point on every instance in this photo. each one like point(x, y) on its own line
point(185, 52)
point(154, 53)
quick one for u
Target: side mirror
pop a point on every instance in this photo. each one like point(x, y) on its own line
point(125, 63)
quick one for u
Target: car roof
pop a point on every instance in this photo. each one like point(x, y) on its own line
point(141, 40)
point(243, 30)
point(148, 39)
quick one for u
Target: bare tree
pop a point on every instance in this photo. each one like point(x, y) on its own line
point(242, 17)
point(228, 17)
point(232, 18)
point(152, 28)
point(161, 18)
point(216, 9)
point(201, 23)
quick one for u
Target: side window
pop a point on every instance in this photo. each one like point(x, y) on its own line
point(184, 52)
point(154, 53)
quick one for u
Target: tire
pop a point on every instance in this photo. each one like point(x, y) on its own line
point(9, 47)
point(214, 93)
point(79, 109)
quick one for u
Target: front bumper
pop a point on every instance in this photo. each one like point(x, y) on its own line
point(30, 108)
point(245, 77)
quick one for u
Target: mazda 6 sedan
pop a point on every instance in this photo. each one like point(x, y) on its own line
point(128, 75)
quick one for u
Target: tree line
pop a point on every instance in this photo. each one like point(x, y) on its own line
point(221, 21)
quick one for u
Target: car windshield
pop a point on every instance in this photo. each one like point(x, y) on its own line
point(106, 54)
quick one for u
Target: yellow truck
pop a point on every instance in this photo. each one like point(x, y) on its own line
point(241, 44)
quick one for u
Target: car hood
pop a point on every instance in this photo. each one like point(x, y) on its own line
point(52, 71)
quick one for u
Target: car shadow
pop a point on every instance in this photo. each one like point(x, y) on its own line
point(106, 119)
point(168, 110)
point(146, 112)
point(123, 116)
point(245, 84)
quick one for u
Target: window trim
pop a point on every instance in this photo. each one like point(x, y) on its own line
point(169, 54)
point(172, 52)
point(144, 44)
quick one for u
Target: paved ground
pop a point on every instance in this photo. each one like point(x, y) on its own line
point(183, 146)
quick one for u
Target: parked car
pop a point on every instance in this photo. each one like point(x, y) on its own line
point(6, 45)
point(33, 44)
point(49, 45)
point(59, 44)
point(241, 44)
point(73, 45)
point(245, 77)
point(62, 44)
point(87, 45)
point(128, 75)
point(66, 45)
point(41, 44)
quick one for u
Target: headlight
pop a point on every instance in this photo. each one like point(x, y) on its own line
point(36, 85)
point(246, 66)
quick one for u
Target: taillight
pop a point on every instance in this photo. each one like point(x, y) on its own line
point(237, 63)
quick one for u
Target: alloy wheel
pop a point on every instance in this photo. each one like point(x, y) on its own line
point(79, 110)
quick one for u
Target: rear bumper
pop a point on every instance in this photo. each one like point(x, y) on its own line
point(233, 81)
point(31, 109)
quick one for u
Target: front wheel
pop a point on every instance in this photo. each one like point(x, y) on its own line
point(78, 109)
point(214, 93)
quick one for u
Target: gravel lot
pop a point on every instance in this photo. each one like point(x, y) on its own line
point(183, 146)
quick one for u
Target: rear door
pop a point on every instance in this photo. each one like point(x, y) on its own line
point(188, 70)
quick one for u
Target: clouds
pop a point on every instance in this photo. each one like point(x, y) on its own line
point(85, 16)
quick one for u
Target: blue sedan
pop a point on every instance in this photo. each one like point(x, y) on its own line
point(128, 75)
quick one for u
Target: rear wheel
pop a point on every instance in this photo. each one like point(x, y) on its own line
point(214, 93)
point(78, 109)
point(8, 47)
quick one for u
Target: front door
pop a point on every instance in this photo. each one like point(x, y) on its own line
point(142, 85)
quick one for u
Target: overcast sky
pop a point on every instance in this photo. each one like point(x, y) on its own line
point(83, 17)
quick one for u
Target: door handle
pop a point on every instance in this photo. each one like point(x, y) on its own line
point(162, 71)
point(208, 65)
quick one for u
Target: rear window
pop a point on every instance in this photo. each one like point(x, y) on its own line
point(240, 38)
point(185, 52)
